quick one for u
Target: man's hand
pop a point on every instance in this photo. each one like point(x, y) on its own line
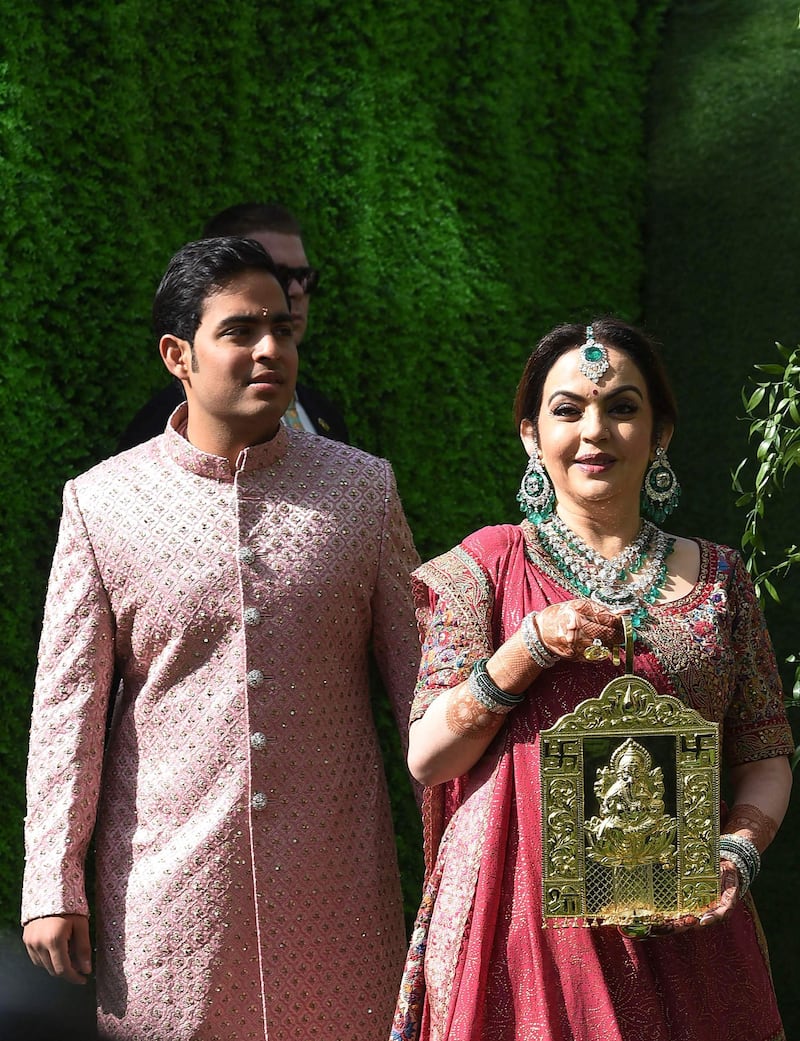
point(60, 944)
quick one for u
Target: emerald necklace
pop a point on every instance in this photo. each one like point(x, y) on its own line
point(630, 581)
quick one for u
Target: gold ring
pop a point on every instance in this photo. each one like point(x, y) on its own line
point(596, 651)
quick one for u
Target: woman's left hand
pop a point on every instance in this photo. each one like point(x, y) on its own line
point(730, 885)
point(730, 888)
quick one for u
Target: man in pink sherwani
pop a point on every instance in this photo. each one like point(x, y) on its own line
point(223, 581)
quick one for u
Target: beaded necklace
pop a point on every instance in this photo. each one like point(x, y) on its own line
point(631, 581)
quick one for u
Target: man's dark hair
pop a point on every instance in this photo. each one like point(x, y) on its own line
point(197, 271)
point(247, 217)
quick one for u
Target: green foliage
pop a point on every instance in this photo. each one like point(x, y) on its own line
point(467, 175)
point(773, 408)
point(723, 235)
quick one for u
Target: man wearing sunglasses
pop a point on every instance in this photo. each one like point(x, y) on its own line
point(279, 233)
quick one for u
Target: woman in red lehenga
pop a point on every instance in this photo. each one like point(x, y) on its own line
point(506, 618)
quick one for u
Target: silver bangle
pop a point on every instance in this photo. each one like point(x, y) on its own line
point(741, 868)
point(741, 851)
point(534, 644)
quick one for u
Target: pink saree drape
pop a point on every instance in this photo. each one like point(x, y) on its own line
point(481, 967)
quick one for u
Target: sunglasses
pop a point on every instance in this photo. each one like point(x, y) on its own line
point(306, 277)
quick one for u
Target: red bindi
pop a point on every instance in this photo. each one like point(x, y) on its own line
point(594, 392)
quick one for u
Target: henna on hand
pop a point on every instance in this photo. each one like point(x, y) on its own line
point(467, 717)
point(753, 823)
point(730, 886)
point(568, 628)
point(730, 894)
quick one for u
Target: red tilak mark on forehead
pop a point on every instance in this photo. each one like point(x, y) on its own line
point(595, 393)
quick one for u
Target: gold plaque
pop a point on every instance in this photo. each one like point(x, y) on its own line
point(630, 809)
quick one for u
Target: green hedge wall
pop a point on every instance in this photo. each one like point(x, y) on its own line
point(723, 238)
point(467, 175)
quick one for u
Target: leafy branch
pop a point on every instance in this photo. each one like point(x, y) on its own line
point(773, 410)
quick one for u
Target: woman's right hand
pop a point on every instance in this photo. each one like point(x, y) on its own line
point(568, 628)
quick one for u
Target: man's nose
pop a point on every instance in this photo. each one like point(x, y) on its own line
point(266, 346)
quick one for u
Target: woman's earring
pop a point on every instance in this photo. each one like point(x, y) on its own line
point(536, 497)
point(661, 492)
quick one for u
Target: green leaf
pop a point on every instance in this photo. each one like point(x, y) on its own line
point(773, 592)
point(791, 457)
point(755, 398)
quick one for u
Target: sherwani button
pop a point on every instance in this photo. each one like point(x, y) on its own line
point(246, 555)
point(258, 801)
point(252, 616)
point(258, 740)
point(255, 678)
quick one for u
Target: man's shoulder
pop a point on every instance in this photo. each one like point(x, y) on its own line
point(141, 460)
point(333, 453)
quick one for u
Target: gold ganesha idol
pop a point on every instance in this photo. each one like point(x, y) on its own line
point(630, 810)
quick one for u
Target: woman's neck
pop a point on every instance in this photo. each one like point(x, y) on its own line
point(607, 532)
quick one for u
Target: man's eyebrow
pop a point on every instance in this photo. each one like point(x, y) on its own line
point(253, 317)
point(628, 387)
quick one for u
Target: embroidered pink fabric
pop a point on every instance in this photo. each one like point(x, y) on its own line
point(247, 876)
point(480, 965)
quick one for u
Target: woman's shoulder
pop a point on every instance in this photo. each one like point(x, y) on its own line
point(700, 565)
point(493, 541)
point(714, 555)
point(476, 557)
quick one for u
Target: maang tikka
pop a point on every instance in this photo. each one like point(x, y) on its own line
point(594, 357)
point(536, 497)
point(661, 491)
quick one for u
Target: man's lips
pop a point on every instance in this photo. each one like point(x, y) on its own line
point(271, 378)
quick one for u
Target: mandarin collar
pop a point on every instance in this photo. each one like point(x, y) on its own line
point(182, 452)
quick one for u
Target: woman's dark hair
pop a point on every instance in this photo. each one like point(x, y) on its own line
point(198, 270)
point(612, 333)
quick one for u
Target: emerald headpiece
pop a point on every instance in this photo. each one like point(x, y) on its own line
point(594, 357)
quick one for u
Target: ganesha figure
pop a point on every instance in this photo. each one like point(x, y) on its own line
point(631, 828)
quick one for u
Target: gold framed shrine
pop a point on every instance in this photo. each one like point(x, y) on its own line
point(630, 810)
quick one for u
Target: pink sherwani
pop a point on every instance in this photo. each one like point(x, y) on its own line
point(247, 883)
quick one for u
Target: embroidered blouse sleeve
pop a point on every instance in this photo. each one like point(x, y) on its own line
point(454, 600)
point(755, 725)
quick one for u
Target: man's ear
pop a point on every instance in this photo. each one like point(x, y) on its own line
point(176, 355)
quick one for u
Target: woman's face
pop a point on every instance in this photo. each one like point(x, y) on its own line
point(595, 439)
